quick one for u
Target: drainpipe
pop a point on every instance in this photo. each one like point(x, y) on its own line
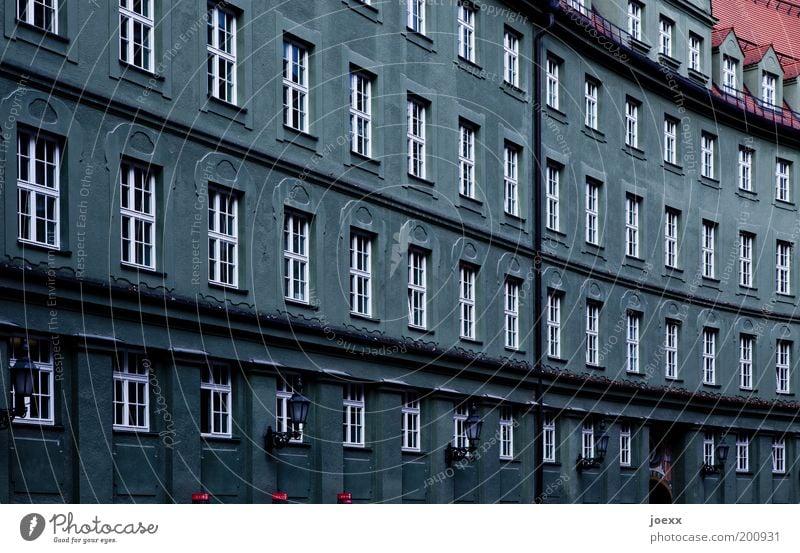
point(538, 73)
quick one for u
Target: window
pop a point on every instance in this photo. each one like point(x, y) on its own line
point(632, 124)
point(671, 350)
point(695, 52)
point(223, 238)
point(38, 189)
point(671, 238)
point(592, 212)
point(768, 85)
point(353, 415)
point(632, 342)
point(708, 448)
point(707, 161)
point(466, 161)
point(778, 455)
point(415, 12)
point(746, 362)
point(131, 386)
point(783, 259)
point(416, 139)
point(511, 58)
point(511, 311)
point(466, 302)
point(138, 215)
point(782, 364)
point(554, 325)
point(587, 440)
point(459, 426)
point(592, 333)
point(729, 69)
point(709, 249)
point(295, 257)
point(745, 168)
point(360, 274)
point(39, 13)
point(215, 401)
point(283, 423)
point(632, 226)
point(782, 172)
point(510, 175)
point(742, 453)
point(552, 83)
point(39, 407)
point(360, 114)
point(665, 27)
point(709, 356)
point(670, 140)
point(221, 54)
point(625, 445)
point(417, 289)
point(635, 20)
point(553, 174)
point(745, 259)
point(135, 33)
point(466, 31)
point(295, 86)
point(506, 433)
point(410, 413)
point(549, 439)
point(590, 96)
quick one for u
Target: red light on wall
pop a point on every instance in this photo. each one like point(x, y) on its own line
point(280, 497)
point(200, 498)
point(345, 497)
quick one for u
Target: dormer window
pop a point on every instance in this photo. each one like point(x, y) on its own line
point(768, 86)
point(729, 67)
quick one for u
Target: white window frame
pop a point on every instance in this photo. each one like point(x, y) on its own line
point(466, 31)
point(126, 374)
point(353, 415)
point(466, 302)
point(665, 31)
point(709, 450)
point(417, 289)
point(670, 140)
point(460, 414)
point(729, 70)
point(632, 342)
point(709, 345)
point(707, 147)
point(220, 421)
point(30, 193)
point(284, 391)
point(223, 236)
point(128, 20)
point(778, 455)
point(708, 249)
point(783, 364)
point(41, 353)
point(222, 53)
point(466, 160)
point(548, 438)
point(746, 245)
point(552, 205)
point(742, 453)
point(745, 168)
point(506, 433)
point(554, 325)
point(590, 94)
point(671, 228)
point(592, 333)
point(296, 260)
point(783, 268)
point(552, 95)
point(410, 428)
point(360, 114)
point(511, 180)
point(632, 205)
point(695, 52)
point(783, 173)
point(511, 312)
point(625, 445)
point(416, 16)
point(769, 84)
point(592, 213)
point(632, 123)
point(635, 19)
point(295, 86)
point(416, 115)
point(137, 247)
point(671, 337)
point(361, 274)
point(587, 440)
point(26, 13)
point(746, 348)
point(511, 58)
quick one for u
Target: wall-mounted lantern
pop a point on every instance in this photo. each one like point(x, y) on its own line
point(298, 412)
point(472, 428)
point(22, 378)
point(601, 447)
point(722, 455)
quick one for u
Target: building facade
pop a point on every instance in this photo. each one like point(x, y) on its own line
point(408, 209)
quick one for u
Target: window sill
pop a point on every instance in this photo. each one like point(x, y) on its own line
point(471, 341)
point(672, 168)
point(594, 134)
point(708, 282)
point(636, 374)
point(633, 151)
point(518, 219)
point(229, 111)
point(785, 298)
point(640, 46)
point(421, 180)
point(363, 317)
point(669, 61)
point(413, 452)
point(356, 447)
point(697, 75)
point(710, 385)
point(139, 269)
point(470, 67)
point(556, 115)
point(514, 91)
point(748, 390)
point(675, 380)
point(784, 394)
point(747, 473)
point(41, 38)
point(745, 292)
point(594, 249)
point(470, 200)
point(595, 367)
point(300, 138)
point(214, 438)
point(514, 351)
point(365, 163)
point(43, 247)
point(418, 39)
point(747, 195)
point(421, 330)
point(788, 206)
point(509, 461)
point(38, 425)
point(228, 288)
point(710, 182)
point(556, 359)
point(366, 10)
point(139, 71)
point(300, 303)
point(635, 262)
point(125, 431)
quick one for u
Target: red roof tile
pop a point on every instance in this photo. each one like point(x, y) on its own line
point(762, 22)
